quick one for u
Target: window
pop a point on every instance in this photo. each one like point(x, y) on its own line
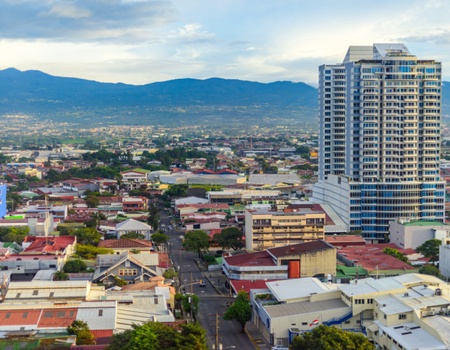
point(18, 295)
point(51, 294)
point(8, 315)
point(127, 272)
point(25, 314)
point(35, 292)
point(402, 316)
point(156, 301)
point(100, 313)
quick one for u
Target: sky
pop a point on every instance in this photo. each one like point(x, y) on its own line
point(144, 41)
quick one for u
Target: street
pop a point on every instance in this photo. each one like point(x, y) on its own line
point(211, 302)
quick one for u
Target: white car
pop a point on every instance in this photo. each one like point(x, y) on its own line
point(279, 347)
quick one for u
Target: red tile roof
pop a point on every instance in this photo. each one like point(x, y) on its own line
point(48, 245)
point(239, 285)
point(19, 317)
point(102, 337)
point(164, 261)
point(125, 243)
point(301, 248)
point(250, 259)
point(345, 240)
point(57, 317)
point(371, 257)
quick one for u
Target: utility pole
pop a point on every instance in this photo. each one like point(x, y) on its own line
point(217, 331)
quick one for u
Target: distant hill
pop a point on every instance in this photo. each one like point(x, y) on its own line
point(192, 101)
point(37, 93)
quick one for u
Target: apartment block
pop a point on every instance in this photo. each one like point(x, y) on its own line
point(268, 229)
point(379, 141)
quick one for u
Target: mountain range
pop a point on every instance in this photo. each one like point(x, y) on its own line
point(46, 96)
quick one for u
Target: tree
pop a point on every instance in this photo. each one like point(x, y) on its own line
point(325, 338)
point(430, 270)
point(193, 337)
point(395, 253)
point(89, 252)
point(196, 241)
point(75, 266)
point(240, 310)
point(153, 217)
point(230, 237)
point(156, 336)
point(190, 303)
point(170, 273)
point(430, 249)
point(159, 238)
point(92, 201)
point(132, 235)
point(120, 282)
point(82, 331)
point(60, 276)
point(87, 235)
point(14, 234)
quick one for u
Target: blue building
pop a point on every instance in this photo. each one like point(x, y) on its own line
point(3, 189)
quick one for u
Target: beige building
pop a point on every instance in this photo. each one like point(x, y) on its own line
point(267, 229)
point(403, 313)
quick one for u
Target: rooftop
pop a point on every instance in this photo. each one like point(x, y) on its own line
point(300, 248)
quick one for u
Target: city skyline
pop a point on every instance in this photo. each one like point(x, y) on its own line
point(139, 42)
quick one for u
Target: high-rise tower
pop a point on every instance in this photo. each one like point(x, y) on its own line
point(379, 144)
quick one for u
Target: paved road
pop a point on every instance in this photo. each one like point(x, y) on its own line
point(211, 302)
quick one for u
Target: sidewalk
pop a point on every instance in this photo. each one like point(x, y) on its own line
point(256, 337)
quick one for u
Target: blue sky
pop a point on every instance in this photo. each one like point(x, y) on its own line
point(143, 41)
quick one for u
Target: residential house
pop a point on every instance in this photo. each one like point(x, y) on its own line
point(130, 204)
point(135, 178)
point(133, 226)
point(130, 267)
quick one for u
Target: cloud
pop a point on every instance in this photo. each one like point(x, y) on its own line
point(79, 20)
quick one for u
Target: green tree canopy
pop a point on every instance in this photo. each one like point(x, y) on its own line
point(196, 241)
point(327, 338)
point(132, 235)
point(81, 330)
point(230, 237)
point(87, 235)
point(89, 252)
point(430, 270)
point(75, 266)
point(159, 238)
point(240, 310)
point(14, 234)
point(60, 276)
point(430, 249)
point(156, 336)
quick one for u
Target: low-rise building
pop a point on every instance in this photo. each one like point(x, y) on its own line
point(403, 312)
point(310, 259)
point(408, 233)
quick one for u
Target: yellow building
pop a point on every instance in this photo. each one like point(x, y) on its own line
point(267, 229)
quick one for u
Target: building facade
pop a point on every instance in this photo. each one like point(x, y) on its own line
point(268, 229)
point(379, 144)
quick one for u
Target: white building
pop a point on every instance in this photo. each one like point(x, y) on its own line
point(412, 233)
point(379, 142)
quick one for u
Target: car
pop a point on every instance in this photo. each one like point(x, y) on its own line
point(279, 347)
point(202, 283)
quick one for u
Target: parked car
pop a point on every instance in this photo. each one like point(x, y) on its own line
point(279, 347)
point(202, 283)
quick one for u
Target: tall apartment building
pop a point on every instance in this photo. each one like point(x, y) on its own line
point(379, 144)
